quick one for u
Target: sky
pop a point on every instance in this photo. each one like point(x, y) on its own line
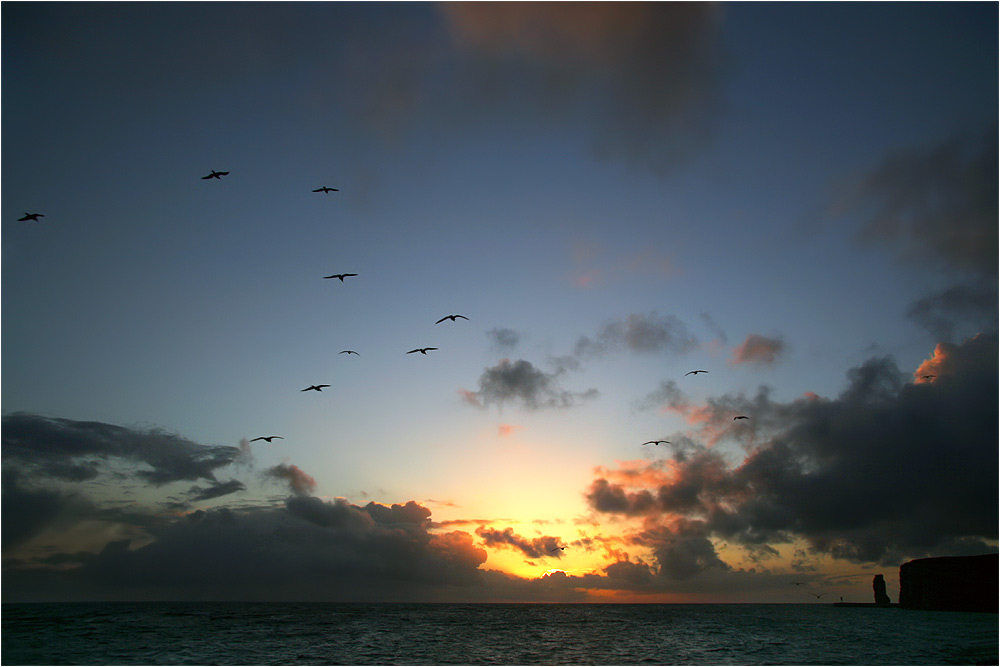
point(799, 199)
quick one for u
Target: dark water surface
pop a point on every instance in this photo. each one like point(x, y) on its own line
point(489, 634)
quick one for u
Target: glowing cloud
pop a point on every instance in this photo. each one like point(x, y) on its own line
point(757, 349)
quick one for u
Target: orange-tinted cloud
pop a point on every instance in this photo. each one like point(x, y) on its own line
point(940, 363)
point(508, 429)
point(757, 349)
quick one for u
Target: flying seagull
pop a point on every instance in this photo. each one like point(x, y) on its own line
point(552, 551)
point(422, 350)
point(341, 276)
point(694, 372)
point(215, 174)
point(815, 595)
point(267, 438)
point(315, 387)
point(451, 317)
point(798, 583)
point(349, 352)
point(657, 442)
point(926, 377)
point(740, 417)
point(325, 189)
point(31, 216)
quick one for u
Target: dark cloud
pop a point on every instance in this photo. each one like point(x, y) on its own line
point(299, 483)
point(521, 381)
point(538, 547)
point(888, 470)
point(638, 332)
point(76, 450)
point(216, 490)
point(651, 71)
point(267, 554)
point(964, 307)
point(28, 509)
point(935, 204)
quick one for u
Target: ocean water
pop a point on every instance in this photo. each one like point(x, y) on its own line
point(489, 634)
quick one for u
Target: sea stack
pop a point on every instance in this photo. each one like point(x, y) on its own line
point(881, 597)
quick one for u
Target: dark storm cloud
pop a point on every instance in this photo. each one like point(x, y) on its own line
point(638, 332)
point(76, 450)
point(268, 554)
point(888, 470)
point(28, 509)
point(650, 72)
point(967, 306)
point(538, 547)
point(521, 381)
point(299, 483)
point(936, 204)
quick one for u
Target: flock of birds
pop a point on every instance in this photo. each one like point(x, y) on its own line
point(667, 442)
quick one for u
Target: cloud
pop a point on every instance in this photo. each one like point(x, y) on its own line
point(521, 381)
point(886, 471)
point(966, 306)
point(936, 204)
point(757, 349)
point(505, 430)
point(645, 333)
point(649, 73)
point(538, 547)
point(503, 339)
point(299, 482)
point(216, 490)
point(77, 450)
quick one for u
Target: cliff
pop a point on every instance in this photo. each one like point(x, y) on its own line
point(957, 583)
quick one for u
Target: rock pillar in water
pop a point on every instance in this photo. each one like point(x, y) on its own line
point(881, 598)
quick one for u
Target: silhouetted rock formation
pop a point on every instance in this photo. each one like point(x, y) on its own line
point(881, 597)
point(957, 583)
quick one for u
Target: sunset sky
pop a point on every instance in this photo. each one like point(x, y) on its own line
point(799, 199)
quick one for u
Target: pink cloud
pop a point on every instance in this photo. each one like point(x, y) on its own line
point(757, 349)
point(508, 429)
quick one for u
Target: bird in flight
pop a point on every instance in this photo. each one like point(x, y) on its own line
point(740, 417)
point(31, 216)
point(267, 438)
point(552, 551)
point(817, 596)
point(215, 174)
point(451, 317)
point(325, 189)
point(694, 372)
point(422, 350)
point(798, 583)
point(341, 276)
point(926, 377)
point(349, 352)
point(657, 442)
point(315, 387)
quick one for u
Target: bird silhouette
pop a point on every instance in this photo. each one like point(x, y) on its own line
point(422, 350)
point(31, 216)
point(798, 583)
point(341, 276)
point(451, 317)
point(215, 174)
point(657, 442)
point(694, 372)
point(928, 377)
point(740, 417)
point(349, 352)
point(325, 189)
point(268, 438)
point(551, 551)
point(815, 595)
point(315, 387)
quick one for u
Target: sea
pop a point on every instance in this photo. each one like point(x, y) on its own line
point(223, 633)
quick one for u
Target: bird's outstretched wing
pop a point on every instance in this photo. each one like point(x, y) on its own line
point(451, 317)
point(740, 417)
point(656, 442)
point(694, 372)
point(349, 352)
